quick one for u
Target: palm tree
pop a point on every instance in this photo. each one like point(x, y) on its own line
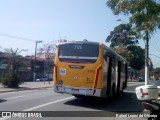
point(11, 77)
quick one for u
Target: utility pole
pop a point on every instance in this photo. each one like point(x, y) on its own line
point(146, 38)
point(34, 73)
point(146, 57)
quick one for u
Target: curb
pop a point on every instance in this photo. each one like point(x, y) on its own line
point(24, 88)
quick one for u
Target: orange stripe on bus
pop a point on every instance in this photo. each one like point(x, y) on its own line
point(97, 74)
point(55, 72)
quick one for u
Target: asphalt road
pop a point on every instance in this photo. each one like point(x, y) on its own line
point(67, 105)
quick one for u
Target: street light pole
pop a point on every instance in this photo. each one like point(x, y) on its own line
point(34, 73)
point(146, 58)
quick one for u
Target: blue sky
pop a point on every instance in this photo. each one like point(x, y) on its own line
point(50, 20)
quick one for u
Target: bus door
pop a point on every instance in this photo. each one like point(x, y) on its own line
point(126, 75)
point(119, 76)
point(109, 76)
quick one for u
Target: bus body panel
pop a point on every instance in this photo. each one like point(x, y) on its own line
point(72, 75)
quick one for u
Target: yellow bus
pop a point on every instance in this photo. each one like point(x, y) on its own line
point(83, 68)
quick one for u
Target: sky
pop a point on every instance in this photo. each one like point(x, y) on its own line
point(22, 22)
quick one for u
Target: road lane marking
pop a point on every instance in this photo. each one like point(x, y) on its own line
point(133, 84)
point(129, 91)
point(39, 106)
point(14, 97)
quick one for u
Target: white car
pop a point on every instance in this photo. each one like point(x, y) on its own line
point(44, 78)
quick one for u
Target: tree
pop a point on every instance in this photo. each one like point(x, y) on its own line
point(144, 16)
point(133, 54)
point(11, 75)
point(122, 35)
point(124, 40)
point(123, 51)
point(136, 56)
point(48, 51)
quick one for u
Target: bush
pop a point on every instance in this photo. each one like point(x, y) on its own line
point(11, 80)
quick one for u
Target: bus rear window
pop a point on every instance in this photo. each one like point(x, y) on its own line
point(72, 52)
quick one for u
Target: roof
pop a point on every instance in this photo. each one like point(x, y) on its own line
point(80, 42)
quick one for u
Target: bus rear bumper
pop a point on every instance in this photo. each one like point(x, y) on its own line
point(77, 90)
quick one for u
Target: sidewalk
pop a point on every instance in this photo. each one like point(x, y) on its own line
point(28, 86)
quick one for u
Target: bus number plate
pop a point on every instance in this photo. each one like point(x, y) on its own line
point(75, 90)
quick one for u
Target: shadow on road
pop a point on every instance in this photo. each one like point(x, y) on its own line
point(122, 103)
point(1, 100)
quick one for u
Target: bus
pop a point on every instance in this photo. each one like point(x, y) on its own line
point(83, 68)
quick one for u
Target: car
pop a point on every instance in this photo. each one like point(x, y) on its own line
point(141, 79)
point(44, 78)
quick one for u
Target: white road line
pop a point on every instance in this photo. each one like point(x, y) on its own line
point(14, 97)
point(39, 106)
point(133, 84)
point(129, 91)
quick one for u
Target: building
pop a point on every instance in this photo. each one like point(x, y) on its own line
point(26, 69)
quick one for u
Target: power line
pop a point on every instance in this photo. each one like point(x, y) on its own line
point(155, 46)
point(154, 49)
point(17, 37)
point(156, 42)
point(155, 61)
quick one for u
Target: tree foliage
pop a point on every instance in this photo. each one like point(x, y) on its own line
point(136, 57)
point(133, 54)
point(124, 41)
point(123, 51)
point(122, 35)
point(11, 76)
point(144, 14)
point(47, 50)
